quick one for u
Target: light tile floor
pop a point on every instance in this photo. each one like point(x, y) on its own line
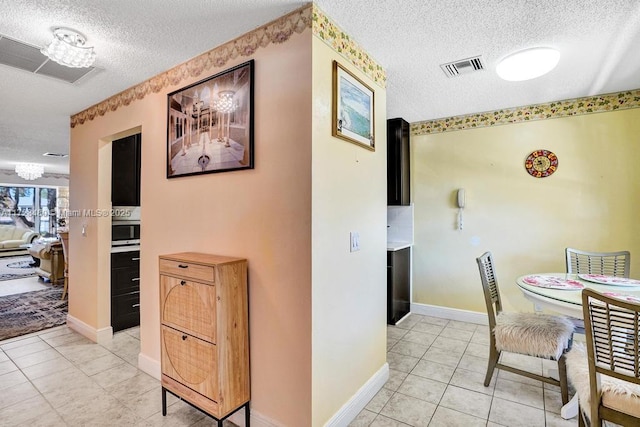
point(437, 367)
point(437, 370)
point(59, 378)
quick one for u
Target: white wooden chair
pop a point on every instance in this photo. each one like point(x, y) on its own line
point(607, 375)
point(606, 263)
point(531, 334)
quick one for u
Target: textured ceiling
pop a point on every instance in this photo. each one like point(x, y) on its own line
point(135, 40)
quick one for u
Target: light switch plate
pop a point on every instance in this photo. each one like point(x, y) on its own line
point(354, 238)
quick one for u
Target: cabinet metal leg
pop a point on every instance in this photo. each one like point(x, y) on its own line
point(220, 422)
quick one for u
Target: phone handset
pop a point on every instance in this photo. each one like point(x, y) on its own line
point(461, 198)
point(461, 202)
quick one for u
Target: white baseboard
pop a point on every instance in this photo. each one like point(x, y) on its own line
point(149, 366)
point(342, 418)
point(450, 313)
point(352, 408)
point(100, 336)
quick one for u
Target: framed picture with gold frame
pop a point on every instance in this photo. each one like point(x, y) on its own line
point(353, 109)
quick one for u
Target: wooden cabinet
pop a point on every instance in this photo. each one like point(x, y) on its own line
point(125, 171)
point(398, 163)
point(398, 284)
point(125, 290)
point(204, 332)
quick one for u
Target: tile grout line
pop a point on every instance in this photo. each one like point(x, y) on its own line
point(545, 392)
point(40, 339)
point(30, 381)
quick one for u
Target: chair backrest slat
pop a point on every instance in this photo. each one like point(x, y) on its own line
point(606, 263)
point(612, 326)
point(490, 287)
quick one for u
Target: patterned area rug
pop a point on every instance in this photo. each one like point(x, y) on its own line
point(16, 267)
point(28, 312)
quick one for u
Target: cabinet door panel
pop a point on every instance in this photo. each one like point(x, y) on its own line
point(398, 162)
point(398, 285)
point(125, 171)
point(190, 361)
point(189, 306)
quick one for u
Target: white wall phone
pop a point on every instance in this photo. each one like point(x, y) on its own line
point(460, 202)
point(461, 198)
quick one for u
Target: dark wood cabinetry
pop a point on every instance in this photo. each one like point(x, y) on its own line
point(398, 287)
point(125, 171)
point(125, 290)
point(398, 164)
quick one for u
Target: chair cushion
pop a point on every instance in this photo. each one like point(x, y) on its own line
point(617, 394)
point(538, 335)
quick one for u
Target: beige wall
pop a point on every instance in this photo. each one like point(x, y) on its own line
point(349, 289)
point(261, 214)
point(590, 203)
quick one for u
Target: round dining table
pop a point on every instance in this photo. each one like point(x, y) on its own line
point(562, 293)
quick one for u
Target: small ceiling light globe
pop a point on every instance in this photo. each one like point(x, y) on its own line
point(528, 64)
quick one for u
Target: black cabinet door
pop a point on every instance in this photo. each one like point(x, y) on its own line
point(129, 259)
point(125, 290)
point(125, 272)
point(398, 285)
point(398, 163)
point(125, 311)
point(124, 280)
point(125, 171)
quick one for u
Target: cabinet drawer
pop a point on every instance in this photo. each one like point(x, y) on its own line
point(125, 280)
point(125, 259)
point(125, 311)
point(190, 361)
point(188, 270)
point(189, 306)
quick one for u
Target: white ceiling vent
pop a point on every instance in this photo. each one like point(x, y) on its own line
point(463, 66)
point(26, 57)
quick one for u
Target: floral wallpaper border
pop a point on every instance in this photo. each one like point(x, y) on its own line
point(277, 32)
point(329, 32)
point(571, 107)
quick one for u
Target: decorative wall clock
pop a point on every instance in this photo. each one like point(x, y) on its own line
point(541, 163)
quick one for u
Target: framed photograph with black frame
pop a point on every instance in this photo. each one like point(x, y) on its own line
point(353, 109)
point(210, 124)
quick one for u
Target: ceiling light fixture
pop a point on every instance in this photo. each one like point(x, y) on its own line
point(29, 171)
point(67, 48)
point(528, 64)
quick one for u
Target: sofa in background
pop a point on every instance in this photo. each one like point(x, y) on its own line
point(11, 237)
